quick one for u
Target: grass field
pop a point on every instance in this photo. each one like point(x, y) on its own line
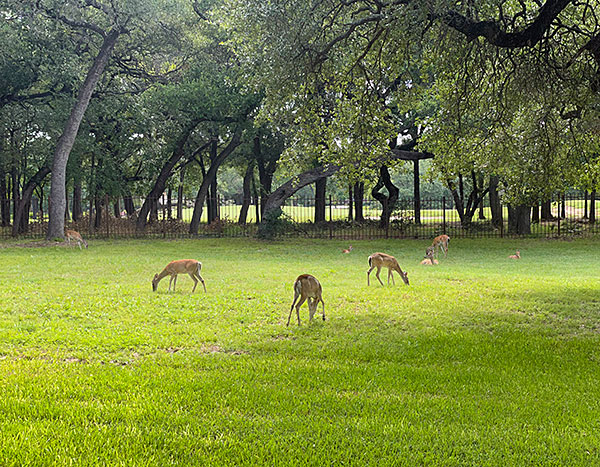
point(480, 361)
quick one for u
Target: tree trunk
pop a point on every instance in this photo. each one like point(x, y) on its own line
point(547, 211)
point(495, 206)
point(98, 218)
point(592, 214)
point(535, 214)
point(16, 196)
point(4, 200)
point(66, 205)
point(256, 202)
point(129, 206)
point(563, 214)
point(585, 204)
point(246, 197)
point(519, 220)
point(265, 172)
point(180, 193)
point(77, 209)
point(416, 192)
point(117, 209)
point(56, 224)
point(359, 197)
point(388, 203)
point(169, 204)
point(350, 204)
point(481, 207)
point(320, 199)
point(212, 171)
point(21, 217)
point(165, 173)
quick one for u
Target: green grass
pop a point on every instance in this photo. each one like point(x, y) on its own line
point(481, 361)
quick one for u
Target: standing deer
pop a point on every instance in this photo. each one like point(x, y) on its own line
point(379, 260)
point(441, 241)
point(180, 266)
point(75, 236)
point(517, 255)
point(307, 287)
point(347, 250)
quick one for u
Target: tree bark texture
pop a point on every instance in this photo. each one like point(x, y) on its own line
point(417, 192)
point(359, 197)
point(56, 224)
point(21, 217)
point(592, 214)
point(77, 209)
point(495, 206)
point(519, 220)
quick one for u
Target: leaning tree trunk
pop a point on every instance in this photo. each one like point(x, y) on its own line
point(320, 199)
point(388, 203)
point(210, 174)
point(247, 196)
point(56, 224)
point(161, 181)
point(519, 220)
point(21, 216)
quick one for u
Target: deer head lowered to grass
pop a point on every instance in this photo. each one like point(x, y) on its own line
point(180, 266)
point(307, 287)
point(380, 260)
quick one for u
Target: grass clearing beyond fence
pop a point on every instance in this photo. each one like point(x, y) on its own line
point(480, 361)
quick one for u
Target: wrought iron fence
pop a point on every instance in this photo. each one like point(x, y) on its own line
point(334, 218)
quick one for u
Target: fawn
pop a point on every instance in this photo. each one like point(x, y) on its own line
point(347, 250)
point(181, 266)
point(517, 255)
point(76, 237)
point(379, 260)
point(307, 287)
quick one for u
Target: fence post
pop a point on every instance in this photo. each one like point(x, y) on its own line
point(444, 211)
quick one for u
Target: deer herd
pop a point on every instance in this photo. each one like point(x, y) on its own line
point(307, 288)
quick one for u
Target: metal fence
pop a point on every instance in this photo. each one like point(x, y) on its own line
point(570, 217)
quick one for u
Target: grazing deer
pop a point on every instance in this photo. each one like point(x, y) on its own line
point(517, 255)
point(379, 260)
point(307, 287)
point(347, 250)
point(441, 241)
point(181, 266)
point(75, 236)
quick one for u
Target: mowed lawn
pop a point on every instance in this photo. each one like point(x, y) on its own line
point(480, 361)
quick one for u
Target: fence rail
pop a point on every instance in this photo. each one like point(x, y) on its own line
point(339, 218)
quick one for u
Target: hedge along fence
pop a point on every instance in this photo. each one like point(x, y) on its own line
point(568, 217)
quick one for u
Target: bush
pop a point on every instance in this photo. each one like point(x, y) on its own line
point(275, 223)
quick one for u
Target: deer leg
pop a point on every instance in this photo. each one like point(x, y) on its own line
point(312, 308)
point(302, 300)
point(195, 282)
point(292, 309)
point(79, 243)
point(391, 274)
point(369, 273)
point(201, 280)
point(323, 303)
point(377, 274)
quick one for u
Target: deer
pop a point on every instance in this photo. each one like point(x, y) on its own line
point(347, 250)
point(180, 266)
point(307, 287)
point(428, 259)
point(441, 241)
point(75, 236)
point(517, 255)
point(379, 260)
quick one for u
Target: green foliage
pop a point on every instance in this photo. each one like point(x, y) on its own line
point(275, 224)
point(476, 363)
